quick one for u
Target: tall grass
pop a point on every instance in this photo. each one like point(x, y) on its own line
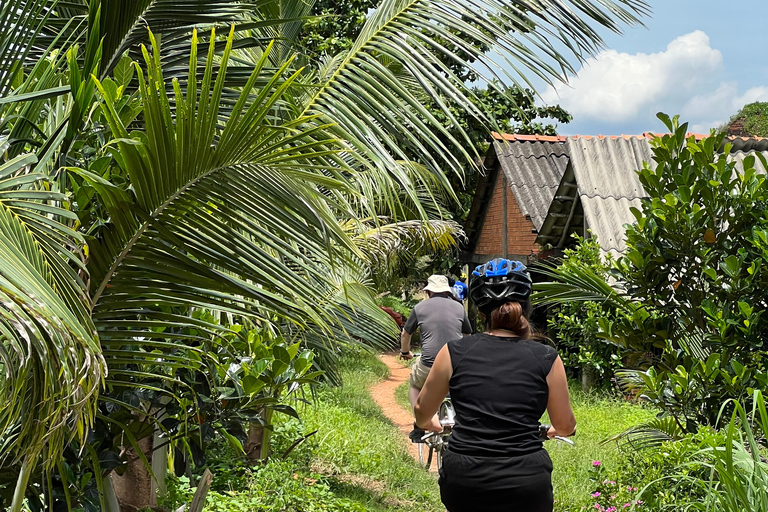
point(738, 479)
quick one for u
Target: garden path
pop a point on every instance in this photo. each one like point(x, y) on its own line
point(383, 394)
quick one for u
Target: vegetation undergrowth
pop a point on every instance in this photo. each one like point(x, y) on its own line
point(356, 461)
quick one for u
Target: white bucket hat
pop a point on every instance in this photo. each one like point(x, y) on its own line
point(437, 284)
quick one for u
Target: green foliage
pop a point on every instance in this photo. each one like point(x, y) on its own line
point(512, 108)
point(575, 325)
point(687, 291)
point(141, 200)
point(274, 487)
point(334, 26)
point(696, 265)
point(738, 478)
point(754, 118)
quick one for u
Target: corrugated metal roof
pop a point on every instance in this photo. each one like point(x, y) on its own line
point(739, 156)
point(606, 218)
point(604, 169)
point(533, 171)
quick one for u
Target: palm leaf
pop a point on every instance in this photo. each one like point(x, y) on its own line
point(364, 92)
point(648, 435)
point(50, 361)
point(236, 218)
point(20, 24)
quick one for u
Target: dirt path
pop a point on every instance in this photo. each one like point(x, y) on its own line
point(383, 394)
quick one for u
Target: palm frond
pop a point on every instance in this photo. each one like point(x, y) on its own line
point(50, 359)
point(237, 218)
point(384, 119)
point(20, 24)
point(579, 284)
point(651, 434)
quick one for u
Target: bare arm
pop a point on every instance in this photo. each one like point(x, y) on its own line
point(434, 391)
point(405, 345)
point(559, 404)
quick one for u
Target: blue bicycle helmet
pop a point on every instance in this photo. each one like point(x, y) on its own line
point(460, 291)
point(497, 282)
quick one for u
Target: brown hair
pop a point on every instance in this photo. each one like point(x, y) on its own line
point(512, 317)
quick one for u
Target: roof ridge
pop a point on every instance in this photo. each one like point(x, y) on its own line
point(514, 137)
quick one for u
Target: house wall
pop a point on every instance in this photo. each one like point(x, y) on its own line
point(520, 236)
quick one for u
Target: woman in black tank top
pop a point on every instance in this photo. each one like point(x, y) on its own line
point(500, 383)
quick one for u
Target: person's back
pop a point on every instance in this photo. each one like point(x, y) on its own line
point(499, 390)
point(500, 383)
point(439, 319)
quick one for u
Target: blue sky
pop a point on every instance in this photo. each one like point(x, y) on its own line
point(703, 59)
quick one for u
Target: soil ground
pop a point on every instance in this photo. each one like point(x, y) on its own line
point(383, 394)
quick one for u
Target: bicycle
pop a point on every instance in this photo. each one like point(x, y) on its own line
point(434, 443)
point(544, 434)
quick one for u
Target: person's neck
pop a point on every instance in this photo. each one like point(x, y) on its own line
point(502, 332)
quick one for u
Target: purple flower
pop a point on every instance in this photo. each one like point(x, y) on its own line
point(596, 463)
point(613, 496)
point(627, 505)
point(610, 509)
point(595, 494)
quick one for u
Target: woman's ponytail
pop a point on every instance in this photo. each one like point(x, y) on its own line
point(510, 316)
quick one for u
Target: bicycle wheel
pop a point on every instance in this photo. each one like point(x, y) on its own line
point(426, 452)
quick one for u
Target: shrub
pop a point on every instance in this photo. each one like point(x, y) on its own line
point(575, 325)
point(273, 487)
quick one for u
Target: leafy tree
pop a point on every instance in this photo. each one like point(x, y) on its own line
point(752, 121)
point(691, 288)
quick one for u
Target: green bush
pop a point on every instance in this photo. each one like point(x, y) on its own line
point(666, 477)
point(274, 487)
point(575, 325)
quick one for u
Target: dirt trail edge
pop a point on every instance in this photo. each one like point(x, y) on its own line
point(383, 394)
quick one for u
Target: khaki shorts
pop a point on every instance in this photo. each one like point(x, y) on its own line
point(419, 374)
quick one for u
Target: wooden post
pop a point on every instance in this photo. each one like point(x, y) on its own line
point(198, 502)
point(504, 213)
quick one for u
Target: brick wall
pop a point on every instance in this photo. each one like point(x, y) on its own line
point(520, 238)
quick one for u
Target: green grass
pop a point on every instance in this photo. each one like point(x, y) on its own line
point(599, 417)
point(363, 452)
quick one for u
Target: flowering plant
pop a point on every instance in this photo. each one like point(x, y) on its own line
point(608, 495)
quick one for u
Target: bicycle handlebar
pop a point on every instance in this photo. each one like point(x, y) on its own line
point(544, 433)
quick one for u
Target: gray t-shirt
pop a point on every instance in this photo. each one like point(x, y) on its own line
point(441, 319)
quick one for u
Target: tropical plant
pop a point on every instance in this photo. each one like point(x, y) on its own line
point(574, 325)
point(131, 203)
point(739, 472)
point(687, 287)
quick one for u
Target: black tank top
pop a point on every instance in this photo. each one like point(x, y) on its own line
point(499, 391)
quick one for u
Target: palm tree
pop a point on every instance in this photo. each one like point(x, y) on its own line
point(227, 189)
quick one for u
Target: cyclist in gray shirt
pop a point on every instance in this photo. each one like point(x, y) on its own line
point(440, 319)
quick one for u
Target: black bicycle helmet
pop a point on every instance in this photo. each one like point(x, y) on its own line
point(497, 282)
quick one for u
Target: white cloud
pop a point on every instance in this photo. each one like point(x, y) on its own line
point(714, 108)
point(685, 78)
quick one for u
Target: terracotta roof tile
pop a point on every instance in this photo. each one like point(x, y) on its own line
point(528, 138)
